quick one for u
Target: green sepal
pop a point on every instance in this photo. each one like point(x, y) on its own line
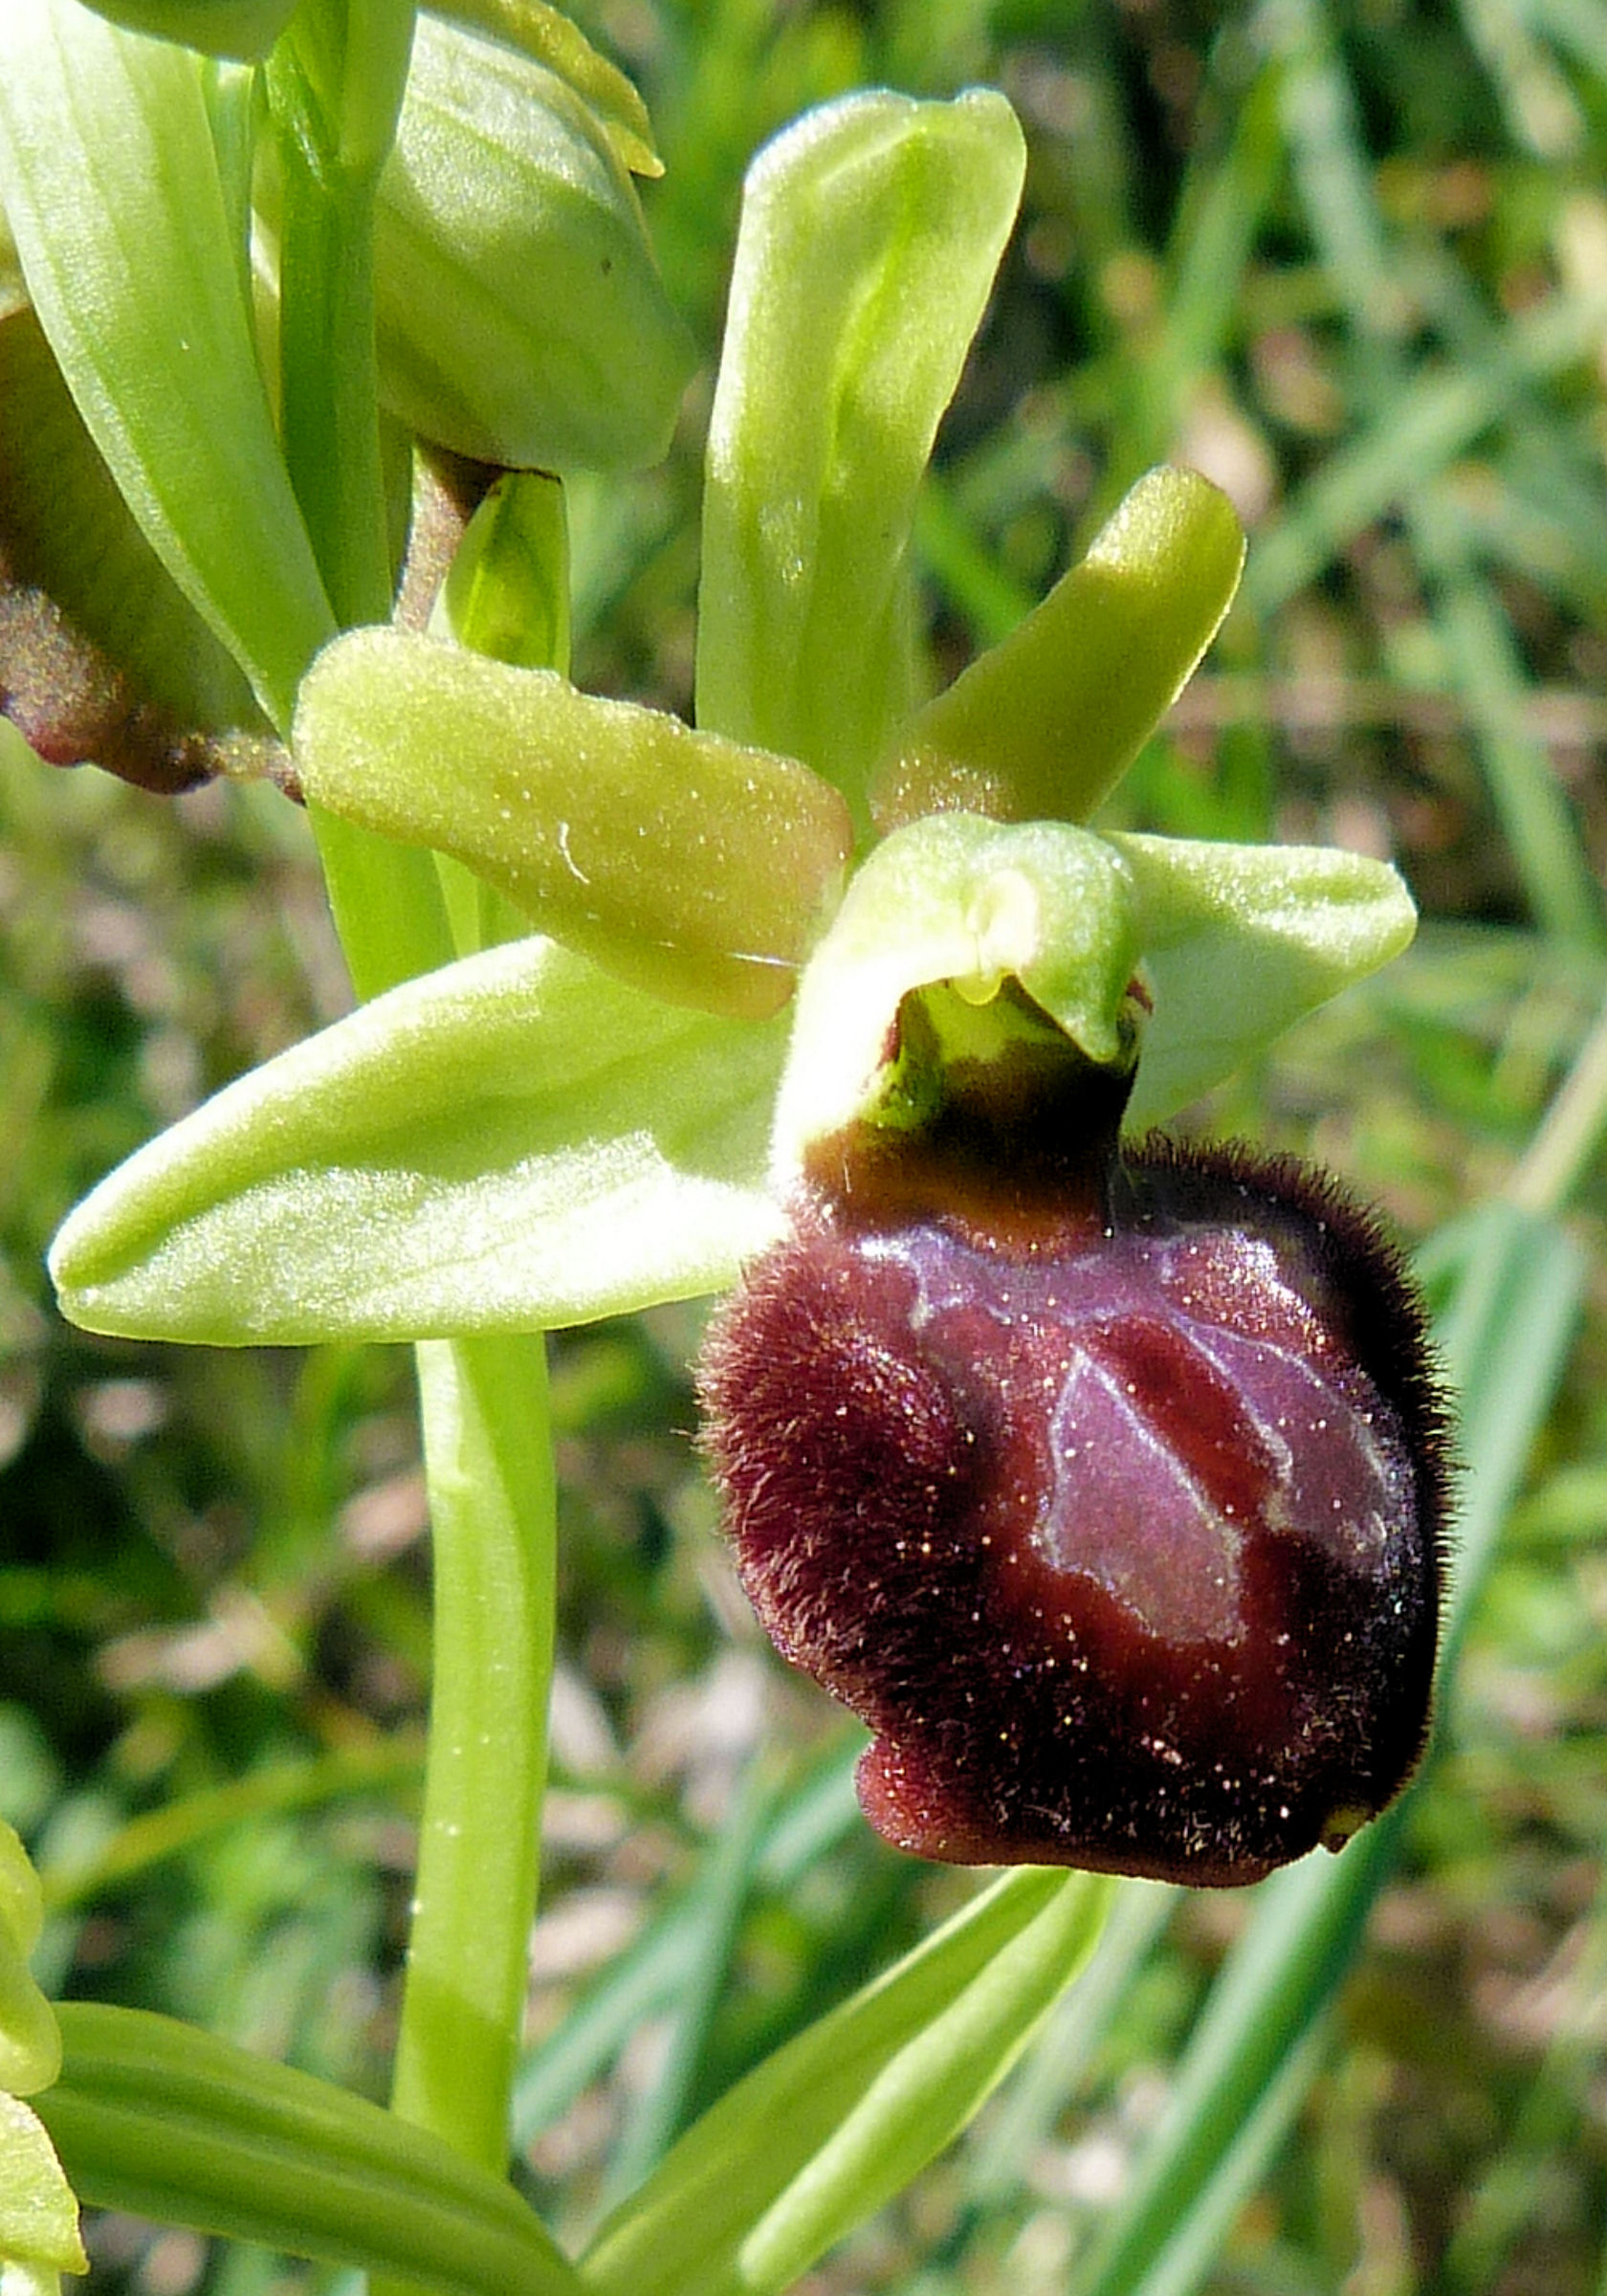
point(29, 2046)
point(549, 38)
point(957, 899)
point(239, 28)
point(38, 2213)
point(687, 864)
point(515, 1142)
point(1240, 941)
point(127, 237)
point(163, 2120)
point(869, 237)
point(521, 316)
point(1043, 725)
point(853, 2108)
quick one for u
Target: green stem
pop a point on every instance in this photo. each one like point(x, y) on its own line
point(493, 1508)
point(335, 87)
point(1571, 1135)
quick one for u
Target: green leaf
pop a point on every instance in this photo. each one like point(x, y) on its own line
point(111, 186)
point(1240, 942)
point(521, 319)
point(957, 899)
point(30, 2046)
point(511, 1143)
point(839, 2120)
point(1045, 724)
point(165, 2121)
point(39, 2214)
point(242, 28)
point(683, 862)
point(869, 237)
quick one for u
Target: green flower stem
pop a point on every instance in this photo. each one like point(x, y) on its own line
point(493, 1506)
point(336, 88)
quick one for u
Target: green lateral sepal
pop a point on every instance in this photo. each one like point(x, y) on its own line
point(515, 1142)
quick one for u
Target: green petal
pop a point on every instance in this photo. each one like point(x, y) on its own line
point(513, 1142)
point(521, 319)
point(1242, 940)
point(869, 237)
point(110, 184)
point(1043, 725)
point(957, 899)
point(687, 864)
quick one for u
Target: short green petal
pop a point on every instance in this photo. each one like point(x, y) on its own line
point(869, 237)
point(957, 899)
point(514, 1142)
point(521, 319)
point(112, 188)
point(39, 2215)
point(1240, 941)
point(687, 864)
point(1043, 725)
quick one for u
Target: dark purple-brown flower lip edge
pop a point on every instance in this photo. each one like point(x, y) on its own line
point(1107, 1489)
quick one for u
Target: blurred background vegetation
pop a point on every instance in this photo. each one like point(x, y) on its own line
point(1349, 257)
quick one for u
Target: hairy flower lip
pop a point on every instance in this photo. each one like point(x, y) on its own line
point(1235, 1662)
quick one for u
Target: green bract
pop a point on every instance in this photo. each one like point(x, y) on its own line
point(39, 2215)
point(521, 319)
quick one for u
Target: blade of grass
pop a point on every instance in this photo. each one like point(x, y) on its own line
point(855, 2106)
point(1438, 414)
point(718, 1898)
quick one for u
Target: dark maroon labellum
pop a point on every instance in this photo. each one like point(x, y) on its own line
point(1118, 1526)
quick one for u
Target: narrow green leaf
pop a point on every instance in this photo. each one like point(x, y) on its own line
point(854, 2106)
point(1242, 940)
point(1043, 725)
point(112, 188)
point(869, 237)
point(166, 2121)
point(687, 864)
point(511, 1143)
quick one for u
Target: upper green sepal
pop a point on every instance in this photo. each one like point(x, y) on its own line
point(1043, 725)
point(514, 1142)
point(870, 233)
point(691, 865)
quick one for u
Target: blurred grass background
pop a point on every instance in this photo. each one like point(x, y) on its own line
point(1351, 259)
